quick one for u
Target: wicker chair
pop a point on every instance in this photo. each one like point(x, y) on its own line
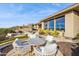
point(21, 48)
point(49, 50)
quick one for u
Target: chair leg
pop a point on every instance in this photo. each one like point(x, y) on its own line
point(57, 50)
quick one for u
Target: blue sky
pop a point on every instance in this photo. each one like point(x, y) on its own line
point(19, 14)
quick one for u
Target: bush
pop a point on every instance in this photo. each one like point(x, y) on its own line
point(77, 36)
point(6, 41)
point(55, 33)
point(12, 39)
point(4, 31)
point(3, 37)
point(22, 37)
point(46, 32)
point(43, 32)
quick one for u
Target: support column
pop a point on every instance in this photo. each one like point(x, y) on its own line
point(37, 26)
point(54, 24)
point(42, 25)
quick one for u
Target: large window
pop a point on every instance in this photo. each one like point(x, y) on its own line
point(51, 24)
point(60, 23)
point(45, 25)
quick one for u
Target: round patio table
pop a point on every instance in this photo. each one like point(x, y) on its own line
point(37, 41)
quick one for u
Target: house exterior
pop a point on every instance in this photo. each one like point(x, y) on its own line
point(66, 19)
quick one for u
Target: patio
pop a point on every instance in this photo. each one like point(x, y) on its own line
point(60, 42)
point(36, 43)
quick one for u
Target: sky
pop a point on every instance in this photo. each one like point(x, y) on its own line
point(14, 14)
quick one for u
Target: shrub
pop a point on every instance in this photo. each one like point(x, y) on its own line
point(77, 36)
point(6, 41)
point(43, 32)
point(3, 37)
point(54, 33)
point(22, 37)
point(4, 31)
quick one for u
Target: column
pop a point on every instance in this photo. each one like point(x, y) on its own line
point(42, 25)
point(37, 26)
point(54, 24)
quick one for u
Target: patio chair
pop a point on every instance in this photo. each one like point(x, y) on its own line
point(49, 50)
point(21, 48)
point(50, 40)
point(32, 35)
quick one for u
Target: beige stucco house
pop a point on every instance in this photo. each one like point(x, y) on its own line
point(70, 16)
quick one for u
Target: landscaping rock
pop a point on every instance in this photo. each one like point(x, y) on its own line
point(69, 49)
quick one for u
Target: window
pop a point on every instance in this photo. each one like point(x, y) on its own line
point(51, 24)
point(45, 25)
point(60, 23)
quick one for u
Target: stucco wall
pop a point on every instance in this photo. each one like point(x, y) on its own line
point(71, 24)
point(76, 23)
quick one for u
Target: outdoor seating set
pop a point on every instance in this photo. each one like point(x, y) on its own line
point(45, 46)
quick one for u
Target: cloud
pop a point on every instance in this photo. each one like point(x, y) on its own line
point(47, 11)
point(18, 7)
point(57, 4)
point(18, 14)
point(15, 11)
point(27, 18)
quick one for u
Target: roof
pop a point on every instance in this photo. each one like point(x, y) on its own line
point(70, 8)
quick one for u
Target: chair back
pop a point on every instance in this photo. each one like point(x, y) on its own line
point(16, 43)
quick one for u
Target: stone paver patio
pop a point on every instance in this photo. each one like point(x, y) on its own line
point(14, 53)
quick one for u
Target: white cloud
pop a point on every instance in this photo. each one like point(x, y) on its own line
point(57, 4)
point(29, 17)
point(25, 18)
point(46, 11)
